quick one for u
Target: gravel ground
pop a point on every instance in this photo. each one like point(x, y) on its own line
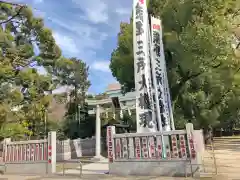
point(88, 177)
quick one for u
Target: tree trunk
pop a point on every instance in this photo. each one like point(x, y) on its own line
point(208, 136)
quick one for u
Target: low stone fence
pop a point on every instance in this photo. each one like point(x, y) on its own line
point(69, 149)
point(29, 157)
point(170, 153)
point(73, 149)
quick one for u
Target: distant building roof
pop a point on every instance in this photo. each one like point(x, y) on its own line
point(113, 87)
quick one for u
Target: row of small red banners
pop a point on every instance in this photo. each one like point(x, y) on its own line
point(28, 152)
point(146, 147)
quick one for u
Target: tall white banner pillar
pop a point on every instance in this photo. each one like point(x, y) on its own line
point(145, 113)
point(160, 76)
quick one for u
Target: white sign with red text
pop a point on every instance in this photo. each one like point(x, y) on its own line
point(137, 148)
point(110, 143)
point(174, 146)
point(159, 75)
point(182, 145)
point(152, 147)
point(145, 147)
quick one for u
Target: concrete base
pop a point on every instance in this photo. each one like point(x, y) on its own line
point(27, 168)
point(98, 158)
point(151, 168)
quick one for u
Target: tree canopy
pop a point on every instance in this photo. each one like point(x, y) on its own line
point(26, 95)
point(203, 70)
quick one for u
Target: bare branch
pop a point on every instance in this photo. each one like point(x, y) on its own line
point(238, 45)
point(236, 13)
point(17, 14)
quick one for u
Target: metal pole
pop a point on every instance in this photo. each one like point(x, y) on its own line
point(79, 114)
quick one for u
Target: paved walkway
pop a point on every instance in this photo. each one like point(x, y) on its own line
point(90, 171)
point(100, 167)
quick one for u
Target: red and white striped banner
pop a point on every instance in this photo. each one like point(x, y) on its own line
point(192, 149)
point(182, 146)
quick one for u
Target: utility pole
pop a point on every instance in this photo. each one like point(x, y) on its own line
point(79, 117)
point(45, 123)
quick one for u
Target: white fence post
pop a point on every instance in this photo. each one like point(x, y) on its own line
point(190, 139)
point(52, 151)
point(5, 149)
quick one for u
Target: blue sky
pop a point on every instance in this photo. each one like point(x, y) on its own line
point(86, 29)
